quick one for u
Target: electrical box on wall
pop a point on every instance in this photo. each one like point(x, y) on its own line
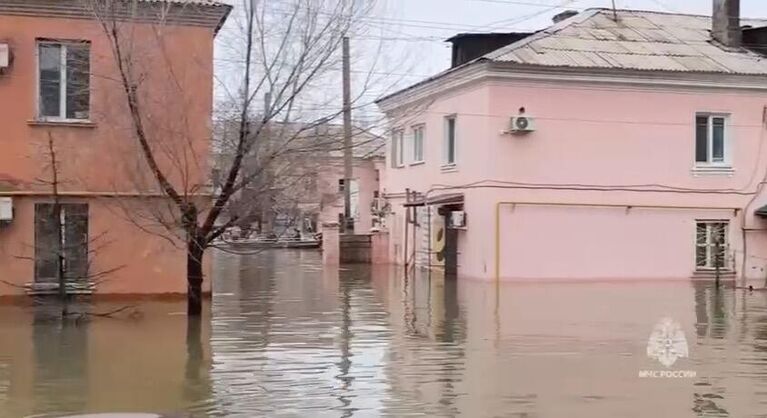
point(6, 209)
point(457, 219)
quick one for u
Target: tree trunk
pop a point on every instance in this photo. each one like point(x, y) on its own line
point(194, 278)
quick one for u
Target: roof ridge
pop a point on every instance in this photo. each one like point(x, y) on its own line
point(550, 30)
point(667, 13)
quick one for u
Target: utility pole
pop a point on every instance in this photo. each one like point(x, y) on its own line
point(348, 226)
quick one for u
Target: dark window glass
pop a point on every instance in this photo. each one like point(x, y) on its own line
point(701, 139)
point(451, 141)
point(66, 234)
point(50, 80)
point(76, 241)
point(717, 140)
point(78, 81)
point(46, 238)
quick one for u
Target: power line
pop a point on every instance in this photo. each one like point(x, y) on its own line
point(515, 21)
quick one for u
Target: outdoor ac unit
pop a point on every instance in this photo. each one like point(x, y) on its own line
point(521, 124)
point(6, 209)
point(5, 56)
point(457, 219)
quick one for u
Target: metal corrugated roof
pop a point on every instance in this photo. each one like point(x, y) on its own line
point(638, 40)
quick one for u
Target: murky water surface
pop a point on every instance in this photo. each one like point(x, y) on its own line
point(285, 338)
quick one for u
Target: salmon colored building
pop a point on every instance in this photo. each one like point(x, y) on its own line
point(60, 95)
point(612, 145)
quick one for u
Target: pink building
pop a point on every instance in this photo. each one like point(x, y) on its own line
point(640, 153)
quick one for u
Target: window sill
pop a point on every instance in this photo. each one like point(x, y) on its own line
point(700, 271)
point(698, 171)
point(63, 123)
point(399, 166)
point(73, 288)
point(449, 168)
point(422, 162)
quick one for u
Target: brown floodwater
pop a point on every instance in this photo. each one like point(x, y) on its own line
point(284, 337)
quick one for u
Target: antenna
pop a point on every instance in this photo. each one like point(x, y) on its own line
point(615, 12)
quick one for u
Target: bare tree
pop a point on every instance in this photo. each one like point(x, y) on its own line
point(63, 250)
point(285, 52)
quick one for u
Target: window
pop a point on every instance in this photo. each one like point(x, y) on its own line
point(450, 141)
point(711, 245)
point(418, 144)
point(398, 149)
point(64, 80)
point(67, 235)
point(711, 140)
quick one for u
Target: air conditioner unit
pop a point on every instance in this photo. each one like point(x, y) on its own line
point(457, 219)
point(5, 56)
point(6, 209)
point(521, 124)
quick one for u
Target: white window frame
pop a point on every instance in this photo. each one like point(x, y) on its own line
point(398, 148)
point(446, 163)
point(64, 45)
point(710, 163)
point(418, 144)
point(710, 245)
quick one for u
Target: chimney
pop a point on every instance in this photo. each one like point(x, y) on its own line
point(564, 15)
point(725, 26)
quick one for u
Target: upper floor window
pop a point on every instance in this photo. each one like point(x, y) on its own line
point(450, 147)
point(418, 144)
point(711, 138)
point(398, 149)
point(64, 80)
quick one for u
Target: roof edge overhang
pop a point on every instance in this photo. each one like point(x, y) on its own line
point(438, 83)
point(182, 14)
point(483, 70)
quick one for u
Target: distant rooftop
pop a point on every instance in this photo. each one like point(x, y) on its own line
point(638, 40)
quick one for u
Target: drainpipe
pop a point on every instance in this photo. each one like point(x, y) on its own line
point(407, 222)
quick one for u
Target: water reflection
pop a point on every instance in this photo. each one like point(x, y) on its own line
point(284, 337)
point(96, 364)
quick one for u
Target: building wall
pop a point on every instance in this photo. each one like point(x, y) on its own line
point(633, 146)
point(177, 85)
point(102, 158)
point(366, 172)
point(136, 262)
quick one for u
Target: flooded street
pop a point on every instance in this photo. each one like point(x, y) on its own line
point(289, 339)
